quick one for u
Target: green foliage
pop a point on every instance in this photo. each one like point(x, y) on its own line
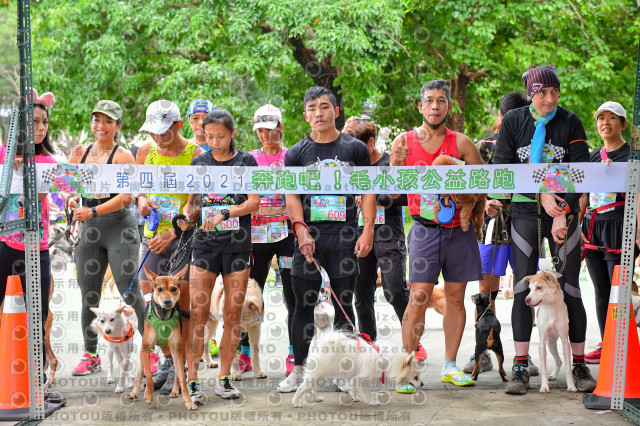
point(241, 54)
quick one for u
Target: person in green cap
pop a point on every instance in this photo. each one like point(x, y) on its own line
point(109, 232)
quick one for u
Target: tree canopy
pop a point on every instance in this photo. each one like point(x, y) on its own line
point(374, 54)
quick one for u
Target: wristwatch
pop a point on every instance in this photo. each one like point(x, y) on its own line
point(565, 206)
point(94, 211)
point(225, 213)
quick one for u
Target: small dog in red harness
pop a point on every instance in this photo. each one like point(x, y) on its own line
point(118, 327)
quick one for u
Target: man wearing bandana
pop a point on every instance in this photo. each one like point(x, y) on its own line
point(440, 245)
point(544, 132)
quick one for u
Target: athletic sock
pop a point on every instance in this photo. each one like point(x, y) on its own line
point(448, 367)
point(522, 360)
point(578, 359)
point(93, 354)
point(290, 349)
point(245, 350)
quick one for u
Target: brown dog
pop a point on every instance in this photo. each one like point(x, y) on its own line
point(163, 325)
point(470, 205)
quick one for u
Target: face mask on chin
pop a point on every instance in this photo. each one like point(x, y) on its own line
point(435, 126)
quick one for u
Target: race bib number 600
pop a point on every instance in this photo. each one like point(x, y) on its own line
point(231, 224)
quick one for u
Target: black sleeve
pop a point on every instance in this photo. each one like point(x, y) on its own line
point(290, 158)
point(362, 157)
point(505, 149)
point(250, 160)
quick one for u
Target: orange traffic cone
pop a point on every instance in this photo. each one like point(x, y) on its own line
point(14, 358)
point(600, 399)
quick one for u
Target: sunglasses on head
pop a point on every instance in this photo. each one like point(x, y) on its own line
point(265, 119)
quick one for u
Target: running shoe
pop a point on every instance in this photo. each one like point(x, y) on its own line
point(245, 363)
point(197, 397)
point(421, 353)
point(225, 388)
point(291, 382)
point(593, 357)
point(290, 362)
point(88, 365)
point(214, 350)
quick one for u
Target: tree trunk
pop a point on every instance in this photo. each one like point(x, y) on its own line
point(459, 88)
point(321, 72)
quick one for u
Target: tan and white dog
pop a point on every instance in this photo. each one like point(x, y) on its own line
point(250, 321)
point(553, 324)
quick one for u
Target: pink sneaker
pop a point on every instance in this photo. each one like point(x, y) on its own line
point(245, 363)
point(154, 362)
point(88, 364)
point(290, 363)
point(421, 353)
point(593, 357)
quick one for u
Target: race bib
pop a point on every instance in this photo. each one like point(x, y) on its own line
point(499, 196)
point(272, 200)
point(285, 262)
point(427, 203)
point(519, 198)
point(328, 208)
point(271, 232)
point(600, 199)
point(231, 224)
point(379, 217)
point(167, 207)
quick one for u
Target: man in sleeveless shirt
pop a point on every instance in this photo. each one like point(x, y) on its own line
point(435, 247)
point(163, 123)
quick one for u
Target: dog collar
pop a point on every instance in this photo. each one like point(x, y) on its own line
point(127, 336)
point(256, 318)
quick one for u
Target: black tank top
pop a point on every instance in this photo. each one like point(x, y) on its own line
point(94, 202)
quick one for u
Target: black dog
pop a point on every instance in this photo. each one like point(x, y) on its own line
point(487, 334)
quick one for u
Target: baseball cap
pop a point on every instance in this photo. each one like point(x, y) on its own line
point(267, 117)
point(160, 116)
point(108, 108)
point(614, 107)
point(200, 105)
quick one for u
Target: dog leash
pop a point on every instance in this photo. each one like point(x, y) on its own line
point(364, 336)
point(493, 257)
point(182, 247)
point(152, 222)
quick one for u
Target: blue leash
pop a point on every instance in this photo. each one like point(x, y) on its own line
point(152, 222)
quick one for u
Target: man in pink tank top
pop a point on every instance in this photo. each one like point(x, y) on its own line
point(435, 247)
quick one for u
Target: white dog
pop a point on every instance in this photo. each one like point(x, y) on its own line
point(553, 323)
point(250, 321)
point(118, 327)
point(338, 354)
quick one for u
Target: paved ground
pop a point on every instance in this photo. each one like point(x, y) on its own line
point(91, 401)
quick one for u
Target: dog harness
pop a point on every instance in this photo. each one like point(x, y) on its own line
point(367, 338)
point(163, 328)
point(128, 335)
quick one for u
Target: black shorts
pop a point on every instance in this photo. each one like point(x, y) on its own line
point(220, 263)
point(607, 232)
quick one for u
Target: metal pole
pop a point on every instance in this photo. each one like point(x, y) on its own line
point(628, 244)
point(31, 233)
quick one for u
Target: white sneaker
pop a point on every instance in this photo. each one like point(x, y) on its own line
point(291, 382)
point(225, 389)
